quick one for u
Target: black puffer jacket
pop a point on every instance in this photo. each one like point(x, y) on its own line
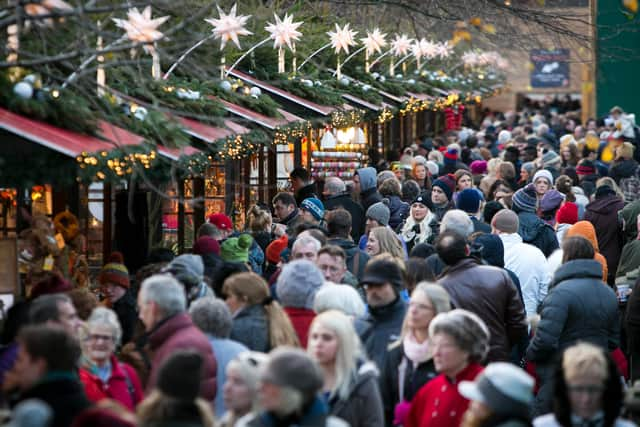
point(579, 307)
point(363, 407)
point(399, 212)
point(537, 233)
point(414, 379)
point(379, 328)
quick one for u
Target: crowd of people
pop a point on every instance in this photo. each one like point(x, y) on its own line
point(479, 278)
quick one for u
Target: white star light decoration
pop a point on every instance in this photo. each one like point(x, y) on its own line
point(444, 50)
point(470, 59)
point(374, 42)
point(141, 28)
point(401, 45)
point(229, 27)
point(284, 32)
point(342, 38)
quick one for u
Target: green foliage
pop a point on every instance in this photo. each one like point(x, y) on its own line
point(320, 94)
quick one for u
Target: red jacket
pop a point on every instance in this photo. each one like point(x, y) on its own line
point(179, 333)
point(301, 319)
point(123, 385)
point(438, 403)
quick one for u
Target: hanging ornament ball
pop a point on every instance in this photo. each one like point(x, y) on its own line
point(344, 81)
point(23, 89)
point(375, 75)
point(307, 83)
point(317, 83)
point(411, 81)
point(383, 79)
point(255, 92)
point(398, 76)
point(416, 72)
point(140, 113)
point(31, 78)
point(365, 88)
point(225, 85)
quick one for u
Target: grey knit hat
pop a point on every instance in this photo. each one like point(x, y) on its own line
point(292, 367)
point(188, 269)
point(525, 200)
point(298, 283)
point(380, 212)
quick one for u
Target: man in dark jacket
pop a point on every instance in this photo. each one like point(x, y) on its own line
point(365, 184)
point(286, 210)
point(50, 376)
point(484, 290)
point(162, 305)
point(382, 282)
point(579, 307)
point(532, 229)
point(603, 214)
point(339, 228)
point(303, 187)
point(335, 196)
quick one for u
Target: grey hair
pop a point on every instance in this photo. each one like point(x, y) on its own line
point(383, 176)
point(458, 221)
point(343, 298)
point(304, 241)
point(334, 185)
point(468, 331)
point(102, 316)
point(439, 299)
point(212, 316)
point(249, 364)
point(166, 292)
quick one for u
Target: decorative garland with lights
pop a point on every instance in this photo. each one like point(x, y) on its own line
point(347, 119)
point(116, 164)
point(386, 115)
point(292, 132)
point(314, 91)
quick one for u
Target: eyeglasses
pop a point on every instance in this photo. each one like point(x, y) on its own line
point(585, 389)
point(97, 337)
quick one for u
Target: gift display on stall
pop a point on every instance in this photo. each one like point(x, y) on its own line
point(340, 153)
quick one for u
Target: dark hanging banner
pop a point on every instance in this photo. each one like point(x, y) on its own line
point(550, 68)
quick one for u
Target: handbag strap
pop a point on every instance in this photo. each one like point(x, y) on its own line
point(402, 372)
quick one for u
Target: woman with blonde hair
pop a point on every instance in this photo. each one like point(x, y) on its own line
point(491, 177)
point(409, 364)
point(421, 225)
point(259, 322)
point(350, 381)
point(383, 240)
point(240, 390)
point(259, 222)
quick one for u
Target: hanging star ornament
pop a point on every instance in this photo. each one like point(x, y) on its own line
point(429, 48)
point(141, 28)
point(374, 42)
point(284, 32)
point(229, 26)
point(401, 45)
point(342, 38)
point(443, 50)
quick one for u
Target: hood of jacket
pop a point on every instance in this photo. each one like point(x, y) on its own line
point(396, 308)
point(625, 168)
point(367, 178)
point(345, 244)
point(584, 229)
point(530, 226)
point(629, 214)
point(606, 205)
point(578, 269)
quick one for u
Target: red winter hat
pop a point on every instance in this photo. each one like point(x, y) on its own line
point(54, 284)
point(221, 221)
point(567, 214)
point(275, 248)
point(206, 245)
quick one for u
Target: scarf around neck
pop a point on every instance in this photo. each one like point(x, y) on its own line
point(416, 352)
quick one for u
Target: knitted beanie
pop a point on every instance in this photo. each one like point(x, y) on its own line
point(298, 283)
point(180, 375)
point(275, 248)
point(506, 221)
point(551, 200)
point(586, 167)
point(115, 271)
point(478, 167)
point(424, 198)
point(469, 200)
point(550, 159)
point(545, 174)
point(236, 249)
point(447, 183)
point(221, 221)
point(529, 167)
point(380, 212)
point(53, 284)
point(451, 156)
point(206, 245)
point(567, 214)
point(314, 206)
point(188, 269)
point(524, 200)
point(293, 367)
point(433, 168)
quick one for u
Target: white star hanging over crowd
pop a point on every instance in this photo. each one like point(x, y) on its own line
point(140, 27)
point(375, 41)
point(401, 45)
point(229, 27)
point(342, 38)
point(284, 32)
point(444, 49)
